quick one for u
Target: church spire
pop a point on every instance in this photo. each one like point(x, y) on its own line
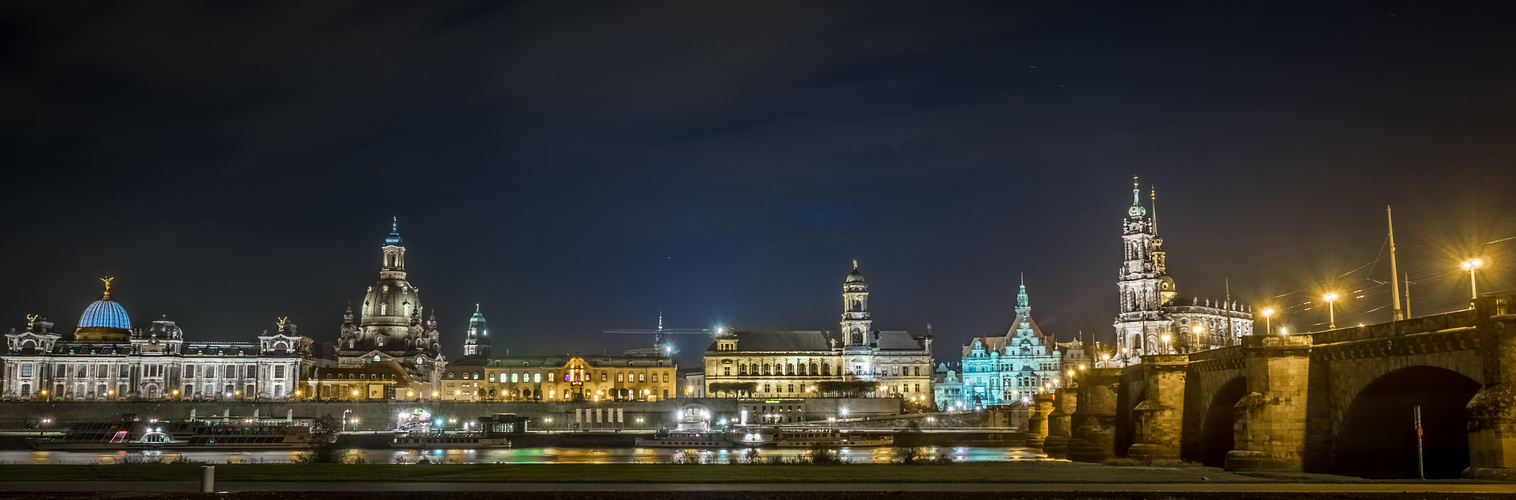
point(394, 237)
point(1023, 304)
point(1137, 211)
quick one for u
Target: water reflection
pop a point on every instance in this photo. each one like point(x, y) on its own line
point(518, 456)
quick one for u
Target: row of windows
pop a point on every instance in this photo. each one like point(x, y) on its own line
point(567, 377)
point(152, 370)
point(824, 369)
point(151, 392)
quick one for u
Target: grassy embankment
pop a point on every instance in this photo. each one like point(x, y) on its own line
point(988, 472)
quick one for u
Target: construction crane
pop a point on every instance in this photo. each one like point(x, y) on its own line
point(662, 345)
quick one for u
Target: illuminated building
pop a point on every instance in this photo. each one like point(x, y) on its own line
point(1001, 370)
point(106, 359)
point(1150, 307)
point(563, 378)
point(947, 390)
point(857, 359)
point(390, 341)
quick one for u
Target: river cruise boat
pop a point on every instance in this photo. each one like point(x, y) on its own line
point(450, 441)
point(676, 439)
point(136, 435)
point(829, 438)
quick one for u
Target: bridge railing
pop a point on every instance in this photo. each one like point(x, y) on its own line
point(1485, 307)
point(1218, 353)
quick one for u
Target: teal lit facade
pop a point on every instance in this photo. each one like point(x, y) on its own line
point(1004, 370)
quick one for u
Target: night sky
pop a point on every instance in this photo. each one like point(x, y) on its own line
point(576, 166)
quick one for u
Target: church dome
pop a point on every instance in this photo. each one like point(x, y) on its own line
point(856, 276)
point(105, 313)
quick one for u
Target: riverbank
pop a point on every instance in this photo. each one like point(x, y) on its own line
point(986, 472)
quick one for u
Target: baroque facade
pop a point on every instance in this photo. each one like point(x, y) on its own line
point(390, 352)
point(562, 378)
point(800, 363)
point(1001, 370)
point(1150, 308)
point(106, 359)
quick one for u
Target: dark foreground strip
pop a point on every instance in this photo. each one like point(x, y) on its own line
point(752, 495)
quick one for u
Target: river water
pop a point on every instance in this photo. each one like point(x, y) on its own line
point(512, 456)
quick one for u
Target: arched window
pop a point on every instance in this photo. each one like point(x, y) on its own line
point(384, 309)
point(826, 369)
point(789, 369)
point(813, 369)
point(741, 370)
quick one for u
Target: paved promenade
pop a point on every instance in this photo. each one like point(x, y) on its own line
point(190, 486)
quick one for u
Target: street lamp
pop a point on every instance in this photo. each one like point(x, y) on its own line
point(1268, 320)
point(1472, 265)
point(1198, 329)
point(1331, 299)
point(1166, 347)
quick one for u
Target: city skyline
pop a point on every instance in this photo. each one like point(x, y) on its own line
point(725, 166)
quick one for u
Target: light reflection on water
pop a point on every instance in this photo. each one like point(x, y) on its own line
point(513, 456)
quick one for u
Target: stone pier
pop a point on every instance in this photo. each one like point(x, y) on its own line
point(1158, 419)
point(1037, 420)
point(1270, 429)
point(1094, 422)
point(1492, 412)
point(1059, 422)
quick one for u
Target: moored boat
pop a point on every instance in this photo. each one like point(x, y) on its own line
point(829, 438)
point(699, 440)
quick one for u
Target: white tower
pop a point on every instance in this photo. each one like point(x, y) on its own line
point(856, 325)
point(1143, 284)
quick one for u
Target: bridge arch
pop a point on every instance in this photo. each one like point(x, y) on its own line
point(1215, 419)
point(1376, 436)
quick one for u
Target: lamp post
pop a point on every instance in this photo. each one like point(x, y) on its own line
point(1331, 299)
point(1167, 349)
point(1198, 329)
point(1268, 321)
point(1472, 265)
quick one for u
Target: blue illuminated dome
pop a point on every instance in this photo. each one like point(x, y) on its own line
point(104, 320)
point(105, 314)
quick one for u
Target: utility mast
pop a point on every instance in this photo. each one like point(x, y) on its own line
point(1398, 314)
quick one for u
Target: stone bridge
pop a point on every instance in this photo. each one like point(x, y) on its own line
point(1339, 401)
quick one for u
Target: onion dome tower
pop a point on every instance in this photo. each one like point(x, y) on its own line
point(477, 343)
point(104, 320)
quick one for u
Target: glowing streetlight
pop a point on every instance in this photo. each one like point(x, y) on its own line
point(1268, 320)
point(1331, 299)
point(1198, 329)
point(1166, 347)
point(1472, 265)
